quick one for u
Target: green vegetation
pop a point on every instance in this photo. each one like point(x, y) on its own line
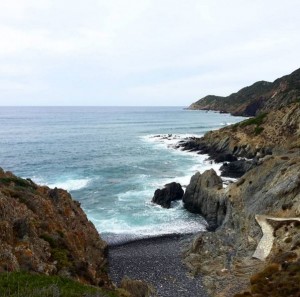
point(21, 284)
point(62, 258)
point(17, 181)
point(257, 121)
point(58, 253)
point(258, 130)
point(49, 239)
point(254, 121)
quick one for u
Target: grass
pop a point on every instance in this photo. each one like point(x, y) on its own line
point(254, 121)
point(257, 121)
point(24, 284)
point(258, 130)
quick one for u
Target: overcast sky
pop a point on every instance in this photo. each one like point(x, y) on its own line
point(142, 52)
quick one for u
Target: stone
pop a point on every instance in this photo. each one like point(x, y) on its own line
point(171, 192)
point(203, 196)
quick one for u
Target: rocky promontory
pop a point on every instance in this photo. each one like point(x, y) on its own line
point(260, 97)
point(255, 249)
point(226, 257)
point(43, 230)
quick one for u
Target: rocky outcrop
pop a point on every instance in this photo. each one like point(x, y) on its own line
point(237, 168)
point(171, 192)
point(260, 97)
point(255, 138)
point(204, 195)
point(225, 257)
point(43, 230)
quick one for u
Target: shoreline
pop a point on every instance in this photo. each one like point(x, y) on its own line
point(150, 238)
point(157, 261)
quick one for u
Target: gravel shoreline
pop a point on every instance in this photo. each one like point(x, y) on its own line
point(158, 262)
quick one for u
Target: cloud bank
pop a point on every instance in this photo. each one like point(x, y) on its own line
point(146, 52)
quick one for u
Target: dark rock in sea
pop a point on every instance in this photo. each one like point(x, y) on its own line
point(170, 192)
point(237, 168)
point(203, 196)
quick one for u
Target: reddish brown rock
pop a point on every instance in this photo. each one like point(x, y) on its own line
point(44, 230)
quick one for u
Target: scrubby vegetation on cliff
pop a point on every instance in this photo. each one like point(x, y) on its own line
point(43, 230)
point(262, 96)
point(269, 187)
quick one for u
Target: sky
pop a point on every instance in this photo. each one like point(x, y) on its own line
point(142, 52)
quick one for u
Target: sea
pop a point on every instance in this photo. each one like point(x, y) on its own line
point(111, 159)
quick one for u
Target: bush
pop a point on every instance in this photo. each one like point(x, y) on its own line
point(254, 121)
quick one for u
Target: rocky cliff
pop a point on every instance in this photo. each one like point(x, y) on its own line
point(260, 97)
point(278, 130)
point(43, 230)
point(256, 247)
point(226, 257)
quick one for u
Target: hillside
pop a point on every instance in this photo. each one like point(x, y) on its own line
point(255, 246)
point(262, 96)
point(43, 230)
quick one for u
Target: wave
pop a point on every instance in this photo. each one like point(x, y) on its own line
point(120, 233)
point(68, 184)
point(71, 184)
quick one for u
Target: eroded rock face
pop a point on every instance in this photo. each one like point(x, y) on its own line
point(237, 168)
point(171, 192)
point(204, 195)
point(44, 230)
point(224, 257)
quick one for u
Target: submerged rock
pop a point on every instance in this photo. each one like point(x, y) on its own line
point(204, 196)
point(172, 191)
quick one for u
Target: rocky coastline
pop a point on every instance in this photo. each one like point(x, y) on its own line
point(252, 247)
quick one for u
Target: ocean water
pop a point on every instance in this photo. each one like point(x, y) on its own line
point(110, 161)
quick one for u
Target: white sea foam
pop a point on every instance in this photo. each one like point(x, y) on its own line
point(68, 184)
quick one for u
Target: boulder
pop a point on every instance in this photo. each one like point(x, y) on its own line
point(204, 196)
point(172, 191)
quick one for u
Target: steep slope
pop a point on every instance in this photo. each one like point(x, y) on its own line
point(254, 137)
point(262, 96)
point(266, 199)
point(225, 257)
point(43, 230)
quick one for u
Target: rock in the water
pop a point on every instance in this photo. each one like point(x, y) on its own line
point(170, 192)
point(203, 196)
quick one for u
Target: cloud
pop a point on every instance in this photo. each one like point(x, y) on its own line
point(174, 50)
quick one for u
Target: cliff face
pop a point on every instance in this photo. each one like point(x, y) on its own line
point(225, 257)
point(260, 97)
point(257, 243)
point(267, 133)
point(45, 231)
point(204, 195)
